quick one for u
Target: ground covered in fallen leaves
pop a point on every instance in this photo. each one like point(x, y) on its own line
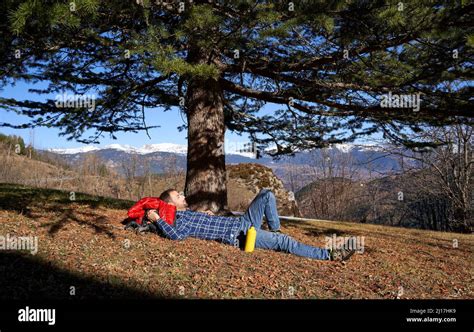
point(84, 252)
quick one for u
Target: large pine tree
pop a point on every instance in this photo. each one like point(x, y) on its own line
point(327, 63)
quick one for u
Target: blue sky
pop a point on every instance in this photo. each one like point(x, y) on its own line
point(45, 138)
point(49, 137)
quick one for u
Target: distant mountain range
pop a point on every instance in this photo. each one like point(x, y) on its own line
point(182, 149)
point(146, 149)
point(295, 171)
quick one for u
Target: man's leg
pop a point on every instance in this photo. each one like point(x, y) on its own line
point(283, 242)
point(264, 204)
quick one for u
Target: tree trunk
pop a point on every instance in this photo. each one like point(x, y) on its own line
point(206, 183)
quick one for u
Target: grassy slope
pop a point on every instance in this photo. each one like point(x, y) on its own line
point(82, 244)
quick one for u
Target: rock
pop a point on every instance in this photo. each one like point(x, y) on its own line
point(246, 180)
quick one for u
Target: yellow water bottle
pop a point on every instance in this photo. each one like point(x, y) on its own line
point(251, 237)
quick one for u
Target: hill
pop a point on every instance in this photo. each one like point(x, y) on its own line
point(81, 244)
point(395, 200)
point(90, 175)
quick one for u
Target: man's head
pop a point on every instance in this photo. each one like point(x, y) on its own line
point(172, 196)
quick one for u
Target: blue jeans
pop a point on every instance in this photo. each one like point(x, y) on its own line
point(264, 204)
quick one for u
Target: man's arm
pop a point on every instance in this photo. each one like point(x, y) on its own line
point(171, 232)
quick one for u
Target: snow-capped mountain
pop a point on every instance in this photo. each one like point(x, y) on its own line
point(82, 149)
point(348, 147)
point(182, 149)
point(145, 149)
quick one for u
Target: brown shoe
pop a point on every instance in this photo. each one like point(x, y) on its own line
point(343, 252)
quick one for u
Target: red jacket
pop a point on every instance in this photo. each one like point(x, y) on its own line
point(165, 210)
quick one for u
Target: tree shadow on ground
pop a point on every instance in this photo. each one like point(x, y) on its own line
point(27, 277)
point(315, 230)
point(97, 222)
point(14, 197)
point(24, 200)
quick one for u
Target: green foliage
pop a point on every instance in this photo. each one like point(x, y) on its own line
point(470, 40)
point(12, 142)
point(168, 64)
point(334, 59)
point(201, 18)
point(66, 14)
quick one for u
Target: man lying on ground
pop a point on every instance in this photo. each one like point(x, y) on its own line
point(233, 230)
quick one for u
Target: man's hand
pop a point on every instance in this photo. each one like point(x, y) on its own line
point(152, 215)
